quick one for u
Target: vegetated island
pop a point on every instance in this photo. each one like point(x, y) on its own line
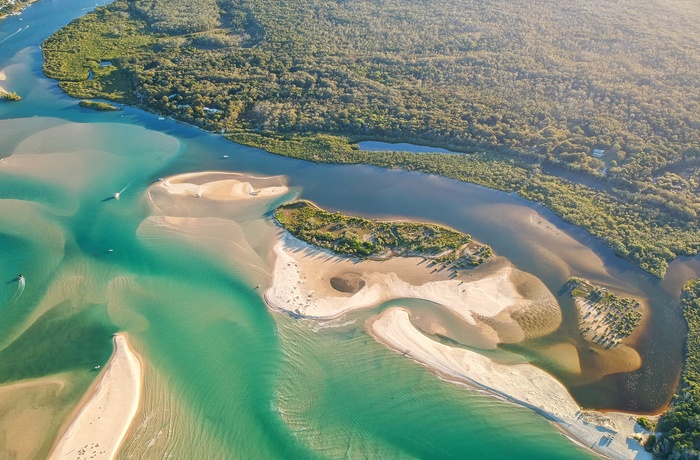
point(604, 317)
point(365, 238)
point(678, 433)
point(96, 105)
point(10, 97)
point(555, 107)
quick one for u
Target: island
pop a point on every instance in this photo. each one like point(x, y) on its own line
point(99, 106)
point(365, 238)
point(604, 317)
point(10, 96)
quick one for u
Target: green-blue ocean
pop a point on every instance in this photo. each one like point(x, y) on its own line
point(225, 377)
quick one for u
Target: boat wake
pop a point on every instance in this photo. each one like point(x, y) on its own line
point(18, 292)
point(12, 35)
point(118, 194)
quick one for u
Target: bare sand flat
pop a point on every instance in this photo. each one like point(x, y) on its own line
point(522, 384)
point(102, 422)
point(224, 186)
point(313, 283)
point(28, 413)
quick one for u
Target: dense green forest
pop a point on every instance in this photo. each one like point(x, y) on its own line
point(360, 237)
point(540, 86)
point(678, 430)
point(95, 105)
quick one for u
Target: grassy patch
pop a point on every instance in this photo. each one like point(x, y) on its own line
point(363, 238)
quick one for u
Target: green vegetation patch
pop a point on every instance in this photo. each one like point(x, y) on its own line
point(608, 318)
point(678, 429)
point(95, 105)
point(8, 7)
point(11, 97)
point(363, 238)
point(547, 96)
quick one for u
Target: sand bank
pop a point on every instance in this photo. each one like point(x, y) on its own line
point(506, 304)
point(30, 409)
point(219, 213)
point(230, 187)
point(103, 421)
point(522, 384)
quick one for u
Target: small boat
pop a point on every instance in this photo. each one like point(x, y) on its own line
point(116, 196)
point(225, 156)
point(161, 118)
point(110, 250)
point(21, 276)
point(98, 366)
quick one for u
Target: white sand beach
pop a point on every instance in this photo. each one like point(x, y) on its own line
point(314, 283)
point(505, 305)
point(103, 420)
point(608, 434)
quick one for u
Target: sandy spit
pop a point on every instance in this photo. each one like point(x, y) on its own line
point(103, 421)
point(608, 434)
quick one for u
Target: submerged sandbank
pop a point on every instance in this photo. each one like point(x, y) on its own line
point(522, 384)
point(104, 419)
point(219, 213)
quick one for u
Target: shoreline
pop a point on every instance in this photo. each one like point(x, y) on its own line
point(102, 419)
point(608, 434)
point(488, 297)
point(302, 288)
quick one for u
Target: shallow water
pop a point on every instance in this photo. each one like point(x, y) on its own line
point(225, 378)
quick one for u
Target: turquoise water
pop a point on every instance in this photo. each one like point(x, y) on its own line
point(226, 378)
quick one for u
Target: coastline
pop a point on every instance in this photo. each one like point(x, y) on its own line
point(103, 418)
point(609, 434)
point(302, 287)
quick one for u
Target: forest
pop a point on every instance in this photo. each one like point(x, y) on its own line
point(678, 429)
point(576, 100)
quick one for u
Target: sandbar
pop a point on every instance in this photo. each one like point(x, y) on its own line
point(501, 303)
point(103, 421)
point(523, 384)
point(231, 187)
